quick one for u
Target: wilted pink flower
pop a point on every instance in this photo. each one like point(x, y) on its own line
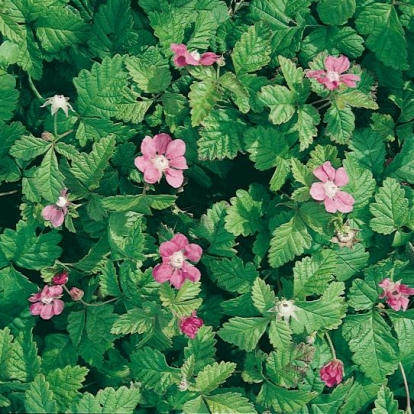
point(47, 302)
point(55, 213)
point(174, 266)
point(190, 326)
point(396, 294)
point(58, 102)
point(328, 190)
point(182, 57)
point(332, 372)
point(60, 278)
point(76, 293)
point(161, 155)
point(332, 77)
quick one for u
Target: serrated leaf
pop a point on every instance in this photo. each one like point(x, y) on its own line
point(402, 167)
point(350, 261)
point(89, 168)
point(281, 101)
point(134, 321)
point(221, 135)
point(385, 403)
point(213, 375)
point(29, 147)
point(202, 347)
point(5, 352)
point(252, 51)
point(108, 281)
point(59, 352)
point(243, 332)
point(238, 91)
point(280, 175)
point(308, 119)
point(289, 240)
point(10, 96)
point(301, 173)
point(263, 296)
point(182, 302)
point(340, 123)
point(356, 99)
point(280, 334)
point(205, 27)
point(383, 27)
point(374, 348)
point(391, 208)
point(39, 398)
point(336, 12)
point(230, 403)
point(9, 134)
point(196, 406)
point(133, 107)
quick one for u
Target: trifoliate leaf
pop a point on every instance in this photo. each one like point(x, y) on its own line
point(132, 108)
point(59, 28)
point(243, 332)
point(12, 22)
point(89, 168)
point(175, 108)
point(362, 295)
point(265, 145)
point(374, 348)
point(280, 100)
point(205, 27)
point(9, 134)
point(301, 173)
point(362, 392)
point(356, 99)
point(213, 375)
point(391, 208)
point(340, 123)
point(221, 135)
point(252, 51)
point(39, 398)
point(280, 175)
point(385, 403)
point(240, 306)
point(402, 167)
point(59, 352)
point(263, 296)
point(336, 12)
point(384, 125)
point(350, 261)
point(229, 402)
point(383, 27)
point(289, 240)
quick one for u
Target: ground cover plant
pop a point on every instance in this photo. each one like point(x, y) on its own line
point(207, 206)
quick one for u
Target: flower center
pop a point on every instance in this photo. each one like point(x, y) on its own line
point(177, 260)
point(160, 162)
point(62, 202)
point(330, 189)
point(47, 300)
point(195, 55)
point(332, 76)
point(285, 308)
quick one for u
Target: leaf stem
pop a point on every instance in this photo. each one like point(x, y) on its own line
point(331, 345)
point(90, 304)
point(407, 390)
point(55, 124)
point(35, 91)
point(8, 193)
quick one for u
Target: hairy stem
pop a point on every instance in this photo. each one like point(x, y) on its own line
point(407, 390)
point(331, 345)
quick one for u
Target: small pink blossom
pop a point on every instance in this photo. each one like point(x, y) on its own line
point(190, 326)
point(162, 155)
point(182, 57)
point(328, 190)
point(47, 302)
point(76, 293)
point(332, 372)
point(333, 76)
point(174, 267)
point(60, 278)
point(396, 294)
point(55, 213)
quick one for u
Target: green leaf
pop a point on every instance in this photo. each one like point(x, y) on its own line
point(385, 403)
point(336, 12)
point(121, 401)
point(281, 102)
point(244, 214)
point(280, 334)
point(340, 123)
point(263, 296)
point(76, 326)
point(89, 168)
point(134, 321)
point(202, 347)
point(403, 325)
point(363, 295)
point(403, 98)
point(238, 91)
point(28, 148)
point(243, 332)
point(374, 348)
point(211, 228)
point(391, 208)
point(213, 375)
point(101, 89)
point(195, 406)
point(59, 352)
point(356, 99)
point(65, 384)
point(289, 240)
point(60, 28)
point(132, 108)
point(182, 302)
point(39, 398)
point(252, 51)
point(221, 135)
point(108, 281)
point(384, 125)
point(229, 402)
point(10, 96)
point(383, 27)
point(402, 167)
point(138, 203)
point(5, 352)
point(204, 30)
point(280, 175)
point(265, 145)
point(9, 134)
point(350, 261)
point(308, 119)
point(301, 173)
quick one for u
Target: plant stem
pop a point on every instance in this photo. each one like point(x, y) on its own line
point(8, 193)
point(331, 345)
point(55, 124)
point(90, 304)
point(35, 91)
point(407, 391)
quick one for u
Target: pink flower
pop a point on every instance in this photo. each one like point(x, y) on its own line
point(396, 294)
point(190, 326)
point(55, 213)
point(182, 57)
point(328, 190)
point(174, 267)
point(162, 155)
point(47, 302)
point(60, 278)
point(333, 77)
point(332, 372)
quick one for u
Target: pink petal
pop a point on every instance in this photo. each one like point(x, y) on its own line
point(317, 191)
point(161, 142)
point(152, 175)
point(55, 291)
point(314, 73)
point(178, 48)
point(180, 241)
point(331, 85)
point(341, 177)
point(179, 163)
point(142, 163)
point(191, 60)
point(47, 311)
point(405, 290)
point(35, 297)
point(172, 246)
point(58, 306)
point(162, 273)
point(36, 308)
point(175, 149)
point(180, 61)
point(175, 178)
point(330, 205)
point(54, 215)
point(208, 58)
point(344, 202)
point(325, 172)
point(337, 64)
point(191, 272)
point(148, 147)
point(177, 278)
point(193, 252)
point(385, 283)
point(349, 80)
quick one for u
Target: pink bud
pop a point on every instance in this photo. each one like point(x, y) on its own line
point(60, 278)
point(76, 293)
point(332, 372)
point(189, 326)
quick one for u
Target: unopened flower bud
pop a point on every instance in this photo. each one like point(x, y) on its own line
point(60, 278)
point(47, 136)
point(332, 373)
point(76, 293)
